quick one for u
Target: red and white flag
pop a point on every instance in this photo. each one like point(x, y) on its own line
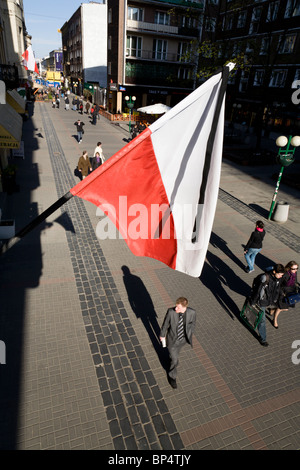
point(161, 189)
point(29, 60)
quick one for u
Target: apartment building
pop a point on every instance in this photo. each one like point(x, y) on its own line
point(14, 40)
point(268, 34)
point(84, 42)
point(150, 54)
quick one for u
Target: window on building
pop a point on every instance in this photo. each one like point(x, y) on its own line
point(210, 24)
point(243, 85)
point(241, 22)
point(278, 78)
point(265, 46)
point(184, 73)
point(296, 81)
point(183, 52)
point(136, 14)
point(159, 49)
point(255, 19)
point(134, 46)
point(161, 17)
point(286, 44)
point(188, 22)
point(228, 22)
point(258, 78)
point(273, 11)
point(237, 48)
point(292, 8)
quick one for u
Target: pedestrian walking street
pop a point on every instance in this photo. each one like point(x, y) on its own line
point(80, 317)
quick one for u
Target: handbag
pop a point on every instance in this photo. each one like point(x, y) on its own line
point(292, 299)
point(77, 173)
point(251, 314)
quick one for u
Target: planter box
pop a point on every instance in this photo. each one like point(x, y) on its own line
point(7, 229)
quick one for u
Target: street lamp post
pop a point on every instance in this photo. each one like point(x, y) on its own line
point(130, 103)
point(285, 157)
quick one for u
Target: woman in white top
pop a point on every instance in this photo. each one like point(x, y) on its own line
point(99, 150)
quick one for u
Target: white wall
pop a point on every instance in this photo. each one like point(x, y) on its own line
point(94, 42)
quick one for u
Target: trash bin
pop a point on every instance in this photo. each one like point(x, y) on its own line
point(281, 212)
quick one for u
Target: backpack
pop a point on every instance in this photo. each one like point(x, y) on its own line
point(257, 285)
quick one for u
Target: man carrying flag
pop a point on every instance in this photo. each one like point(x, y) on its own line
point(29, 60)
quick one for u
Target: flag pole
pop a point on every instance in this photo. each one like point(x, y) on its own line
point(210, 142)
point(34, 223)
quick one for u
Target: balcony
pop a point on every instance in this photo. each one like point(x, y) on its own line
point(159, 56)
point(185, 3)
point(138, 26)
point(156, 75)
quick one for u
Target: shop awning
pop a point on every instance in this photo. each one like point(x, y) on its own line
point(15, 101)
point(10, 127)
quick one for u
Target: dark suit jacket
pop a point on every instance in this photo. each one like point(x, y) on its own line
point(170, 323)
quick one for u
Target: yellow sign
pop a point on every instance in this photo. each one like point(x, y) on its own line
point(7, 140)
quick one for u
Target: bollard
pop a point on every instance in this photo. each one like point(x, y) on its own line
point(281, 212)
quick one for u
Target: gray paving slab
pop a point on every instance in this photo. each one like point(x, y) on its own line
point(85, 370)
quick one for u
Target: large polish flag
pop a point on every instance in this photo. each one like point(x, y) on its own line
point(29, 60)
point(164, 184)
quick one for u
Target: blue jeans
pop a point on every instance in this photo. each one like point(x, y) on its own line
point(79, 135)
point(250, 257)
point(262, 326)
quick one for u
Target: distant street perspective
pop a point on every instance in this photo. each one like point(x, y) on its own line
point(150, 229)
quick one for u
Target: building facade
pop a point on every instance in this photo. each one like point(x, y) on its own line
point(267, 35)
point(14, 40)
point(150, 54)
point(84, 41)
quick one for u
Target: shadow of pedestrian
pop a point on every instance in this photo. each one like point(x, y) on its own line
point(142, 305)
point(218, 242)
point(217, 274)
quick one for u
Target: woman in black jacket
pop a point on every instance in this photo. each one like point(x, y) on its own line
point(289, 286)
point(254, 245)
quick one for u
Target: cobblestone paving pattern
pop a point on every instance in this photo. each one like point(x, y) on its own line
point(136, 411)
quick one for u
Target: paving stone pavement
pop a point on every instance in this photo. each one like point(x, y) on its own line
point(80, 319)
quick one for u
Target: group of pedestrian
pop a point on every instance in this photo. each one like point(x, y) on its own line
point(77, 104)
point(55, 100)
point(86, 166)
point(95, 108)
point(137, 129)
point(273, 287)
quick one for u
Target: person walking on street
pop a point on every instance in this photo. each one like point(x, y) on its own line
point(74, 104)
point(94, 115)
point(67, 103)
point(99, 150)
point(177, 330)
point(254, 245)
point(87, 107)
point(289, 286)
point(79, 125)
point(267, 295)
point(84, 165)
point(96, 162)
